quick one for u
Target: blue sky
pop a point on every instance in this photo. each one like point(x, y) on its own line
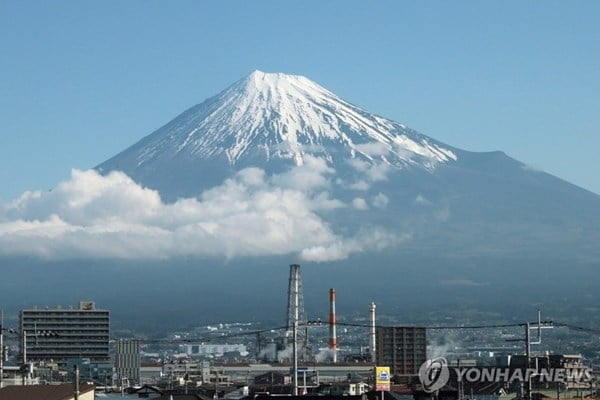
point(81, 81)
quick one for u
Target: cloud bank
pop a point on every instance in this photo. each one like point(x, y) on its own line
point(250, 214)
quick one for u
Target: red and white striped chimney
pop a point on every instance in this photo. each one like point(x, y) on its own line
point(332, 332)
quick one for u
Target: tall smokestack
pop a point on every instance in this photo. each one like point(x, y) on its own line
point(295, 312)
point(332, 332)
point(372, 334)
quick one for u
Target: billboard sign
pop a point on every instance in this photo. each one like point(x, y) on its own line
point(383, 378)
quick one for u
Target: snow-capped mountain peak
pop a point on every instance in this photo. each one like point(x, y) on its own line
point(281, 116)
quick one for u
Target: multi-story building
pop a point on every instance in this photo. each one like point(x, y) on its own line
point(101, 373)
point(59, 334)
point(128, 360)
point(402, 348)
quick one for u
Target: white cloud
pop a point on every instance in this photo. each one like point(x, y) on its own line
point(370, 239)
point(441, 210)
point(360, 204)
point(443, 213)
point(311, 175)
point(323, 253)
point(358, 164)
point(372, 171)
point(250, 214)
point(379, 172)
point(380, 200)
point(360, 185)
point(420, 199)
point(462, 282)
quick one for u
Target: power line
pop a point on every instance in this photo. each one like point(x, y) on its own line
point(210, 338)
point(577, 328)
point(444, 326)
point(486, 326)
point(358, 325)
point(310, 323)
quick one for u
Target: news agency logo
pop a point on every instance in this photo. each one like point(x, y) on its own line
point(434, 374)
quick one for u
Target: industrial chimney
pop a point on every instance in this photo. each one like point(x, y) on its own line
point(372, 334)
point(332, 331)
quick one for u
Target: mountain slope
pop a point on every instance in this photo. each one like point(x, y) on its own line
point(272, 118)
point(446, 199)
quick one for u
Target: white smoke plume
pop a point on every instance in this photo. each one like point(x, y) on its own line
point(324, 355)
point(443, 346)
point(286, 354)
point(268, 353)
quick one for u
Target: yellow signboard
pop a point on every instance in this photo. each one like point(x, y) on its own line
point(382, 378)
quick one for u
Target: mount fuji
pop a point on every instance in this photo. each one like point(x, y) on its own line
point(447, 200)
point(272, 120)
point(276, 170)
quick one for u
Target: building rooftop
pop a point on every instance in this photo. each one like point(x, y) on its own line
point(45, 392)
point(84, 305)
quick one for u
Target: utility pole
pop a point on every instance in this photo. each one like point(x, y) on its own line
point(24, 356)
point(76, 373)
point(539, 325)
point(295, 350)
point(528, 363)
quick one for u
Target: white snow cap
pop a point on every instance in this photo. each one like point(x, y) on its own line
point(290, 116)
